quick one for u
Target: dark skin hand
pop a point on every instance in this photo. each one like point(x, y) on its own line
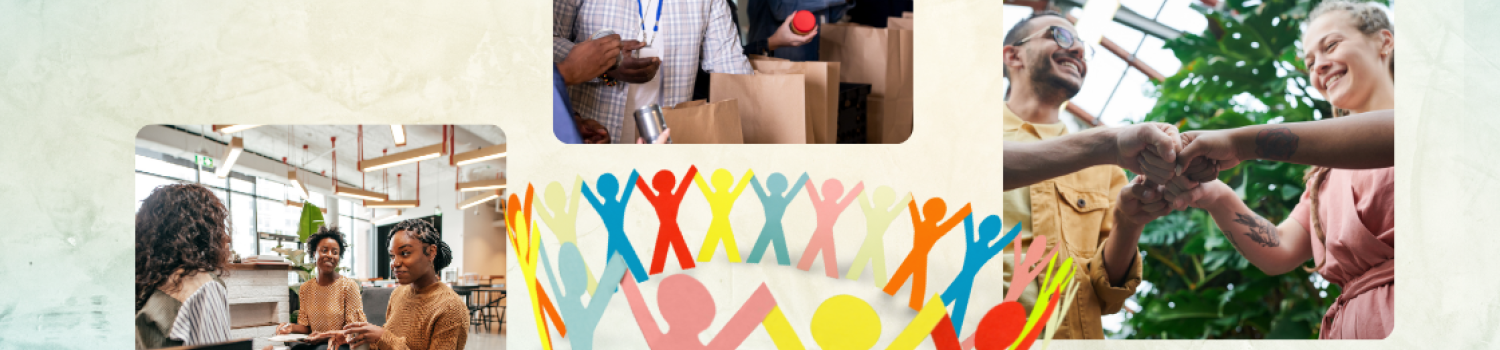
point(635, 70)
point(411, 262)
point(590, 59)
point(592, 131)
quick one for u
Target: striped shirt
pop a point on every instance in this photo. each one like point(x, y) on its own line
point(204, 316)
point(693, 33)
point(330, 308)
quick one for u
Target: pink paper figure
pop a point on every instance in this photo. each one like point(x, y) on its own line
point(828, 206)
point(926, 234)
point(688, 309)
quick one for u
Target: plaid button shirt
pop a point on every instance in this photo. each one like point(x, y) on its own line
point(693, 32)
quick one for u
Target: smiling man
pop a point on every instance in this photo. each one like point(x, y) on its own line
point(1046, 65)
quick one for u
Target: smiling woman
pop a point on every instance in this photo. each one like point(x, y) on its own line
point(330, 301)
point(423, 313)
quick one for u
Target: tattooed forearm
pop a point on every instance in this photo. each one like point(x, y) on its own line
point(1276, 143)
point(1260, 230)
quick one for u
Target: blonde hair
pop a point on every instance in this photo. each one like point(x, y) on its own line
point(1369, 19)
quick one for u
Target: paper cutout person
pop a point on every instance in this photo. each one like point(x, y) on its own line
point(583, 319)
point(781, 331)
point(980, 248)
point(688, 309)
point(721, 201)
point(878, 218)
point(828, 206)
point(926, 234)
point(666, 201)
point(560, 213)
point(775, 203)
point(612, 211)
point(921, 326)
point(527, 244)
point(1003, 325)
point(844, 322)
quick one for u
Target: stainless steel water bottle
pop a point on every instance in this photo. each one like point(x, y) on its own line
point(650, 122)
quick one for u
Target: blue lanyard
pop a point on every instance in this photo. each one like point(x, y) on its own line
point(655, 27)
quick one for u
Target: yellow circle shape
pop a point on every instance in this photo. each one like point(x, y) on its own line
point(845, 322)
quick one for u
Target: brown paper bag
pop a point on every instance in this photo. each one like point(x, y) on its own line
point(698, 122)
point(772, 106)
point(901, 124)
point(874, 56)
point(754, 58)
point(821, 86)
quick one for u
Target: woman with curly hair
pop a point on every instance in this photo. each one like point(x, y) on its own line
point(330, 301)
point(1345, 222)
point(423, 314)
point(181, 246)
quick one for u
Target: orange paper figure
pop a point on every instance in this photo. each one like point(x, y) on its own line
point(828, 206)
point(666, 201)
point(525, 238)
point(926, 234)
point(721, 201)
point(688, 309)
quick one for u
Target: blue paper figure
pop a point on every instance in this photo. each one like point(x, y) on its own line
point(612, 212)
point(580, 319)
point(980, 248)
point(775, 204)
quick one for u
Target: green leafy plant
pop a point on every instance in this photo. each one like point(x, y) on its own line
point(1244, 69)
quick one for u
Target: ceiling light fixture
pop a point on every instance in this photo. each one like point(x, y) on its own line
point(399, 133)
point(230, 129)
point(231, 154)
point(407, 157)
point(349, 191)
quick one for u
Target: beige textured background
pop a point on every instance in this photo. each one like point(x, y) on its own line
point(78, 80)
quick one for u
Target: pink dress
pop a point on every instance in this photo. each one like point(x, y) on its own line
point(1357, 209)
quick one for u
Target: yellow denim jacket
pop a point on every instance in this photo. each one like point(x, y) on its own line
point(1078, 210)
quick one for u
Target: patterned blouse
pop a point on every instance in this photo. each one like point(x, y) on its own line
point(434, 318)
point(330, 308)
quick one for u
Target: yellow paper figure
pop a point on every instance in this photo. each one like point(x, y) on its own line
point(721, 201)
point(562, 218)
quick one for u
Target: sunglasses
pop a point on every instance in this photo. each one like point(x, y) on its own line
point(1064, 38)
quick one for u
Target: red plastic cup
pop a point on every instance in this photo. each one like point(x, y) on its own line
point(803, 22)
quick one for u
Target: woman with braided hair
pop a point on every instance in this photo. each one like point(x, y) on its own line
point(1346, 219)
point(181, 246)
point(423, 313)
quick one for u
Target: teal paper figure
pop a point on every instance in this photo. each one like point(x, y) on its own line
point(775, 203)
point(581, 320)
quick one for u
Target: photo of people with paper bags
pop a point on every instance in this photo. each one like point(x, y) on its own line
point(689, 72)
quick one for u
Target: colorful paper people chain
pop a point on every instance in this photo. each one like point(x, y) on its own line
point(841, 322)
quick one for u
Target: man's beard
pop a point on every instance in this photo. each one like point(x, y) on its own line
point(1045, 82)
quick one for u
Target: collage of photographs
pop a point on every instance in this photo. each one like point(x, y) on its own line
point(1147, 174)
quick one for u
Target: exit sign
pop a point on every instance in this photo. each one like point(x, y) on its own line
point(203, 161)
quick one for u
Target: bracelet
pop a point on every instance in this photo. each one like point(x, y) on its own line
point(608, 81)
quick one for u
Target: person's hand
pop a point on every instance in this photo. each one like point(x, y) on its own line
point(321, 336)
point(284, 328)
point(784, 37)
point(635, 70)
point(1141, 201)
point(592, 132)
point(360, 333)
point(1149, 149)
point(660, 140)
point(1205, 146)
point(590, 59)
point(1203, 196)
